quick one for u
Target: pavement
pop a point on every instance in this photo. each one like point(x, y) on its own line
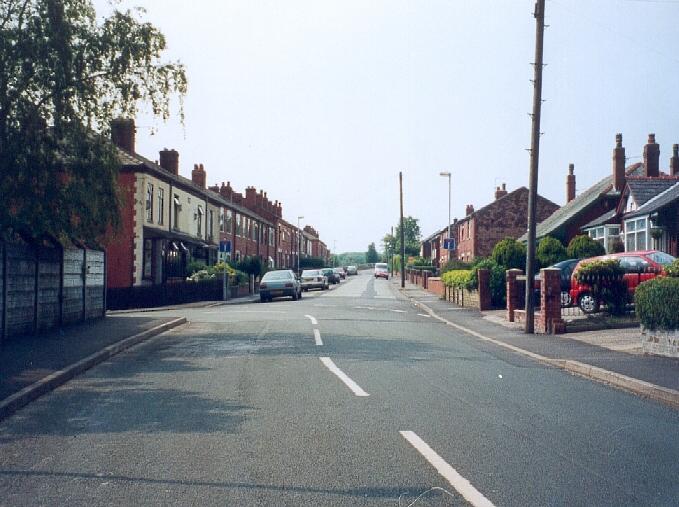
point(353, 396)
point(617, 351)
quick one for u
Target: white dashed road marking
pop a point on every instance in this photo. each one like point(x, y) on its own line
point(355, 388)
point(462, 485)
point(317, 337)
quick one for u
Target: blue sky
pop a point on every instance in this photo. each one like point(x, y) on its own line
point(322, 103)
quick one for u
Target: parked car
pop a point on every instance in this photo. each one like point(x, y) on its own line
point(352, 270)
point(566, 268)
point(341, 273)
point(331, 275)
point(314, 279)
point(279, 283)
point(382, 270)
point(638, 266)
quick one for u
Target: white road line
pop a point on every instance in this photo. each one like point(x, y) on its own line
point(317, 337)
point(399, 311)
point(462, 485)
point(312, 319)
point(423, 315)
point(355, 388)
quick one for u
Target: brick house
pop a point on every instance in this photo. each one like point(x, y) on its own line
point(630, 205)
point(506, 216)
point(432, 246)
point(168, 220)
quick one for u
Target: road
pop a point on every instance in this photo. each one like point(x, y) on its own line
point(346, 397)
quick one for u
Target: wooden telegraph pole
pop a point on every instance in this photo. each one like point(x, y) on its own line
point(403, 244)
point(534, 159)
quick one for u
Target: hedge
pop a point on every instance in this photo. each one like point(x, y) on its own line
point(457, 278)
point(606, 279)
point(656, 303)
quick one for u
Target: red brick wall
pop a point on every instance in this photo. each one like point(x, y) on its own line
point(120, 249)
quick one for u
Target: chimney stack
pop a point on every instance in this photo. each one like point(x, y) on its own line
point(618, 164)
point(469, 210)
point(570, 183)
point(674, 160)
point(169, 160)
point(651, 158)
point(198, 175)
point(501, 192)
point(122, 133)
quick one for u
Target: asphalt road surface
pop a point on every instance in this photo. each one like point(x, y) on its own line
point(347, 397)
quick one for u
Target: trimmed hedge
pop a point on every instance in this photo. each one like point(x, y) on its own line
point(656, 303)
point(458, 278)
point(673, 269)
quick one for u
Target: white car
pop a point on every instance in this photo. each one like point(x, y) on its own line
point(313, 279)
point(382, 270)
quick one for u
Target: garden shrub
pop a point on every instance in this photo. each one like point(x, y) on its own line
point(455, 265)
point(550, 251)
point(195, 266)
point(605, 278)
point(583, 247)
point(656, 302)
point(510, 254)
point(457, 278)
point(498, 286)
point(673, 269)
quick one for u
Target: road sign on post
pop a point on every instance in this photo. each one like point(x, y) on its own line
point(449, 244)
point(225, 248)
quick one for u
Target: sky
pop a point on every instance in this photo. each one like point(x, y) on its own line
point(321, 103)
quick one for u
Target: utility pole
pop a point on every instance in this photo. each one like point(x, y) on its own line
point(403, 244)
point(539, 15)
point(391, 251)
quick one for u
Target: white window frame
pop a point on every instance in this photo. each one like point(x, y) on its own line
point(633, 228)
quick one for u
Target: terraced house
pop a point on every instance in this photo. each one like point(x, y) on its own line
point(169, 220)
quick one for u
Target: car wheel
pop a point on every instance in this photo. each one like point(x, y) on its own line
point(294, 296)
point(300, 295)
point(262, 299)
point(587, 303)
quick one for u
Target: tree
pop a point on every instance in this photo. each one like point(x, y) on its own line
point(371, 255)
point(510, 254)
point(63, 78)
point(550, 251)
point(412, 236)
point(583, 247)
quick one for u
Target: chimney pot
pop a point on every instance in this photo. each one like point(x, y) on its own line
point(169, 160)
point(652, 158)
point(123, 133)
point(198, 175)
point(674, 160)
point(618, 164)
point(570, 183)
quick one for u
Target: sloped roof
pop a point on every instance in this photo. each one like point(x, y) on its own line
point(589, 197)
point(497, 202)
point(606, 218)
point(645, 189)
point(135, 160)
point(661, 200)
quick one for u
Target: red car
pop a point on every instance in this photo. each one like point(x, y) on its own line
point(381, 270)
point(639, 267)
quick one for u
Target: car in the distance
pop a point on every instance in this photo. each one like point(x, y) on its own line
point(352, 270)
point(382, 270)
point(331, 275)
point(279, 283)
point(313, 279)
point(638, 267)
point(340, 271)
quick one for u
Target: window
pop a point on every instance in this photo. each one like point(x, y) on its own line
point(239, 225)
point(229, 221)
point(255, 232)
point(149, 202)
point(635, 234)
point(634, 264)
point(177, 206)
point(271, 236)
point(210, 223)
point(199, 221)
point(597, 234)
point(161, 205)
point(148, 259)
point(221, 220)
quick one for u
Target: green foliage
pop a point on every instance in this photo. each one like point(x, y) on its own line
point(420, 262)
point(311, 263)
point(397, 263)
point(615, 245)
point(457, 278)
point(412, 235)
point(195, 266)
point(498, 285)
point(583, 247)
point(656, 302)
point(673, 269)
point(550, 251)
point(607, 283)
point(371, 255)
point(64, 75)
point(217, 271)
point(252, 265)
point(455, 264)
point(510, 254)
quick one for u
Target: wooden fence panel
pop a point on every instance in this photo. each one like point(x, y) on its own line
point(95, 278)
point(20, 280)
point(73, 285)
point(49, 283)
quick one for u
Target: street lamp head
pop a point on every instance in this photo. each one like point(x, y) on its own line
point(445, 173)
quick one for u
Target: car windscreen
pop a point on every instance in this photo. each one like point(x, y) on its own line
point(380, 266)
point(276, 275)
point(310, 272)
point(661, 258)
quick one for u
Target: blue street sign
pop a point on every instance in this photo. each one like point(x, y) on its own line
point(225, 246)
point(449, 244)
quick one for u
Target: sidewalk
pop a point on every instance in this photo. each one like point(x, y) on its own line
point(587, 347)
point(251, 298)
point(34, 364)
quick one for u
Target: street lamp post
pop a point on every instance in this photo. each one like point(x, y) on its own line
point(299, 242)
point(446, 174)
